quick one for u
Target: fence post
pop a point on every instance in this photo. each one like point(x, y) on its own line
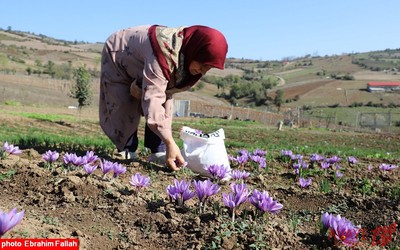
point(357, 117)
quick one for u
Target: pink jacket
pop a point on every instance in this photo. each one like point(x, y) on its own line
point(129, 68)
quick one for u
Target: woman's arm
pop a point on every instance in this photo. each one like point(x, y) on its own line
point(158, 110)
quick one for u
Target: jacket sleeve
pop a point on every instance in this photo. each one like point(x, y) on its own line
point(156, 104)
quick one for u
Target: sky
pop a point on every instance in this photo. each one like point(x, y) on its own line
point(254, 29)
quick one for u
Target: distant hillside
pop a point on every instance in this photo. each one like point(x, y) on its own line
point(29, 60)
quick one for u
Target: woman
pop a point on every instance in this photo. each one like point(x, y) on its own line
point(142, 67)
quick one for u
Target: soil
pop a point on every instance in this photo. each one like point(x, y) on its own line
point(106, 214)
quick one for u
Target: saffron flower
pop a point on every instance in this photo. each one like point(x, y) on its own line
point(297, 157)
point(205, 189)
point(73, 159)
point(288, 153)
point(352, 160)
point(50, 156)
point(238, 196)
point(139, 181)
point(241, 159)
point(243, 152)
point(259, 152)
point(89, 168)
point(334, 159)
point(118, 169)
point(180, 192)
point(264, 203)
point(339, 174)
point(370, 167)
point(304, 182)
point(9, 149)
point(218, 171)
point(106, 166)
point(90, 157)
point(9, 220)
point(387, 167)
point(325, 165)
point(341, 229)
point(326, 220)
point(240, 175)
point(316, 158)
point(262, 163)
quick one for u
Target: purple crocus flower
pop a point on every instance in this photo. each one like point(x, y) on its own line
point(288, 153)
point(387, 167)
point(242, 159)
point(90, 157)
point(262, 162)
point(304, 182)
point(118, 169)
point(339, 174)
point(243, 152)
point(346, 232)
point(240, 175)
point(260, 152)
point(218, 171)
point(342, 229)
point(316, 158)
point(352, 160)
point(334, 159)
point(370, 167)
point(180, 192)
point(106, 166)
point(205, 189)
point(326, 220)
point(296, 167)
point(238, 196)
point(325, 165)
point(73, 159)
point(89, 168)
point(297, 157)
point(50, 156)
point(9, 220)
point(139, 181)
point(256, 158)
point(10, 149)
point(264, 203)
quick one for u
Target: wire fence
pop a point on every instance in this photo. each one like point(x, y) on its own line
point(201, 109)
point(387, 122)
point(352, 120)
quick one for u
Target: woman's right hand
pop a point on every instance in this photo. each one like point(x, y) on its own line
point(174, 158)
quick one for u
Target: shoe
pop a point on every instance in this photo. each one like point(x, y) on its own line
point(126, 155)
point(158, 158)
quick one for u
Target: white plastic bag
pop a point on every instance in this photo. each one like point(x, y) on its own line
point(201, 150)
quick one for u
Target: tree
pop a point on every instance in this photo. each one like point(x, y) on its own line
point(51, 68)
point(278, 98)
point(81, 89)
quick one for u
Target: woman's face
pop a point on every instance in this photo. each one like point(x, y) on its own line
point(196, 68)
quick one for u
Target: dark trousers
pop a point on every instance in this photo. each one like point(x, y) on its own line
point(151, 141)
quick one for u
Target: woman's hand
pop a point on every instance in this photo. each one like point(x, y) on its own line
point(174, 158)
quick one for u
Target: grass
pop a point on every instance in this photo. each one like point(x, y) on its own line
point(45, 117)
point(238, 135)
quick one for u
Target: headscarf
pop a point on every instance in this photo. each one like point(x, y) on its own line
point(200, 43)
point(205, 45)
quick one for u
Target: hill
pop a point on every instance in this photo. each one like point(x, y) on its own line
point(40, 65)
